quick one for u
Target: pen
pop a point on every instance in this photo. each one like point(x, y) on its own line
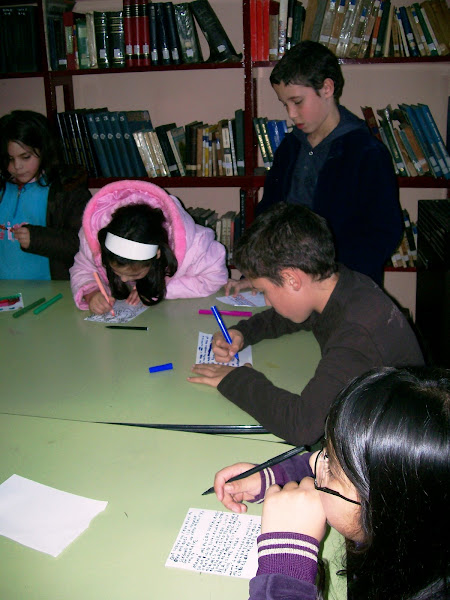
point(223, 329)
point(158, 368)
point(265, 465)
point(103, 291)
point(230, 313)
point(25, 309)
point(126, 327)
point(39, 309)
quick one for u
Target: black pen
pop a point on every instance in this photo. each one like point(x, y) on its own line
point(126, 327)
point(265, 465)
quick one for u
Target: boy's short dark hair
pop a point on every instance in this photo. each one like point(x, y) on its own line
point(286, 236)
point(309, 64)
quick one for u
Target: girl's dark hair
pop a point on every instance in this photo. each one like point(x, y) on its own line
point(144, 224)
point(29, 128)
point(286, 236)
point(389, 431)
point(309, 63)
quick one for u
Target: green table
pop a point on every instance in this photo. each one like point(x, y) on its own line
point(56, 364)
point(150, 479)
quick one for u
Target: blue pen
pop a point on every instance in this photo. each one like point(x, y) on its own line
point(223, 329)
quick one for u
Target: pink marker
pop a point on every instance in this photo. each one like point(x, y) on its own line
point(230, 313)
point(103, 291)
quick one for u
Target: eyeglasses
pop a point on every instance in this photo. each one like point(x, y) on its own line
point(319, 477)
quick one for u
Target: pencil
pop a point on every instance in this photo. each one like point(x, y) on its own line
point(39, 309)
point(126, 327)
point(103, 291)
point(231, 313)
point(265, 465)
point(25, 309)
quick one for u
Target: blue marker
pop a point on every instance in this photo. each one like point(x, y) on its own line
point(157, 368)
point(223, 329)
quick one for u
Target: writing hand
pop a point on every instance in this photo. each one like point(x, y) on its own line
point(98, 304)
point(22, 235)
point(232, 495)
point(296, 508)
point(223, 351)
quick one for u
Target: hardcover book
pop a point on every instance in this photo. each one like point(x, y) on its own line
point(101, 39)
point(116, 39)
point(221, 49)
point(191, 51)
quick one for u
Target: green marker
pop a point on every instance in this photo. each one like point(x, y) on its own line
point(25, 309)
point(39, 309)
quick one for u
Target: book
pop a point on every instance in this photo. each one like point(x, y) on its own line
point(410, 141)
point(85, 145)
point(328, 21)
point(290, 23)
point(263, 124)
point(161, 132)
point(101, 39)
point(298, 22)
point(232, 132)
point(386, 49)
point(160, 156)
point(70, 39)
point(403, 44)
point(226, 145)
point(91, 43)
point(138, 169)
point(309, 19)
point(274, 7)
point(138, 119)
point(417, 31)
point(129, 32)
point(376, 29)
point(191, 51)
point(363, 9)
point(410, 39)
point(282, 27)
point(116, 39)
point(191, 148)
point(240, 141)
point(276, 130)
point(423, 140)
point(221, 49)
point(19, 28)
point(373, 17)
point(82, 45)
point(56, 41)
point(155, 56)
point(141, 52)
point(388, 130)
point(173, 37)
point(346, 31)
point(261, 144)
point(439, 36)
point(337, 25)
point(122, 147)
point(430, 42)
point(162, 34)
point(99, 145)
point(371, 121)
point(435, 135)
point(117, 165)
point(144, 152)
point(177, 140)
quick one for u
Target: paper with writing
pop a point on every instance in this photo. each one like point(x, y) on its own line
point(244, 299)
point(205, 355)
point(217, 542)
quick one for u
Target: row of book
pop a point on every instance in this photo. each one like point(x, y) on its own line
point(413, 139)
point(228, 228)
point(19, 39)
point(125, 144)
point(351, 28)
point(406, 254)
point(269, 134)
point(142, 34)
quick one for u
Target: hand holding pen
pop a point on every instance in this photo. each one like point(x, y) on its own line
point(227, 347)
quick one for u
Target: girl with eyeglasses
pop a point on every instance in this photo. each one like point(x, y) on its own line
point(381, 480)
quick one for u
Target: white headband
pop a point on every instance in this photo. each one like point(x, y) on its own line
point(129, 249)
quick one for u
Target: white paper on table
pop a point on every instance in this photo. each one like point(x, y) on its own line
point(205, 355)
point(124, 312)
point(15, 306)
point(41, 517)
point(221, 543)
point(244, 299)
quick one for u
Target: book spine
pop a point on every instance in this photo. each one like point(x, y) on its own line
point(143, 35)
point(163, 41)
point(154, 50)
point(190, 47)
point(98, 145)
point(128, 31)
point(101, 39)
point(138, 169)
point(221, 49)
point(174, 42)
point(116, 39)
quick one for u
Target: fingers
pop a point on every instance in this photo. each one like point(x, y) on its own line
point(233, 494)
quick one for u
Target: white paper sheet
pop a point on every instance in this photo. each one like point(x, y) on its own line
point(244, 299)
point(124, 312)
point(221, 543)
point(41, 517)
point(15, 306)
point(205, 355)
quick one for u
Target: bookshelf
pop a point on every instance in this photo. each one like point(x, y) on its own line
point(209, 91)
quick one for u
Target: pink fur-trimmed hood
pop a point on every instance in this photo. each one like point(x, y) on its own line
point(105, 202)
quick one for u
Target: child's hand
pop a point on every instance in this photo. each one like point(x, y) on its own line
point(232, 495)
point(233, 287)
point(133, 298)
point(98, 304)
point(211, 374)
point(296, 508)
point(22, 235)
point(223, 351)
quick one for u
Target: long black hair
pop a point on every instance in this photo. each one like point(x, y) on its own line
point(29, 128)
point(389, 431)
point(144, 224)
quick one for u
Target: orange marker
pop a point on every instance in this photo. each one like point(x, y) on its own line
point(103, 291)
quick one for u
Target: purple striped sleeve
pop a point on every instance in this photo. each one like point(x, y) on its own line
point(292, 469)
point(288, 553)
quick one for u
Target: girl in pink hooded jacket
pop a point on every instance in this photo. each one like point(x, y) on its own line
point(145, 247)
